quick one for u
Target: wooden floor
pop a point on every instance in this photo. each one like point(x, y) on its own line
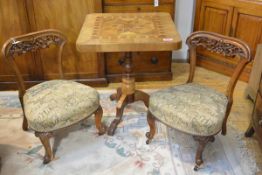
point(242, 107)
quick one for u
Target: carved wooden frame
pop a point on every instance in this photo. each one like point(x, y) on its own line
point(224, 45)
point(30, 43)
point(227, 46)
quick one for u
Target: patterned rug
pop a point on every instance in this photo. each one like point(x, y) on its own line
point(79, 150)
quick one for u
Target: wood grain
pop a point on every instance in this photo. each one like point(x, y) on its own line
point(139, 8)
point(127, 2)
point(67, 16)
point(14, 21)
point(150, 62)
point(215, 17)
point(120, 32)
point(229, 17)
point(144, 70)
point(252, 34)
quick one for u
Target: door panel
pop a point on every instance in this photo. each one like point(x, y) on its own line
point(67, 16)
point(14, 21)
point(240, 19)
point(215, 18)
point(247, 26)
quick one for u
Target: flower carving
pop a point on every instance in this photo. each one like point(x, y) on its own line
point(21, 47)
point(218, 46)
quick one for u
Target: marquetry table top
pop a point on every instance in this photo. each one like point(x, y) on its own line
point(122, 32)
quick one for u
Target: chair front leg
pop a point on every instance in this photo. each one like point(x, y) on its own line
point(152, 127)
point(202, 140)
point(98, 118)
point(45, 140)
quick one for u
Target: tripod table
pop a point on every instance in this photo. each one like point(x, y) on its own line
point(128, 33)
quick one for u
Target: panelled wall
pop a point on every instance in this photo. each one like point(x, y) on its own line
point(22, 16)
point(237, 18)
point(14, 21)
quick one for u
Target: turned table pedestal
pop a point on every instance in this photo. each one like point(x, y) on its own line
point(128, 33)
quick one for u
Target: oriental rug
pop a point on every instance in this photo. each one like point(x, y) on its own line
point(80, 151)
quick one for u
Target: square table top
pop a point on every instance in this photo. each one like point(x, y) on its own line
point(128, 32)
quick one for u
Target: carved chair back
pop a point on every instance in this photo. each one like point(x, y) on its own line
point(29, 43)
point(227, 46)
point(224, 45)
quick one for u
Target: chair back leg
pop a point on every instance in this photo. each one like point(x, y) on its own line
point(25, 124)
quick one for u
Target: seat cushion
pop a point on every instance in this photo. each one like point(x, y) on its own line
point(191, 108)
point(56, 104)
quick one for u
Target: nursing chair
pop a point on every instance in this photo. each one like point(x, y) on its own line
point(196, 109)
point(55, 104)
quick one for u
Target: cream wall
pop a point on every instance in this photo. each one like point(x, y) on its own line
point(184, 20)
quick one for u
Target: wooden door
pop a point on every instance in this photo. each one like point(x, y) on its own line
point(215, 17)
point(68, 17)
point(247, 26)
point(13, 22)
point(238, 18)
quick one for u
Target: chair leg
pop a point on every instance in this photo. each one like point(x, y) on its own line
point(250, 130)
point(98, 117)
point(25, 124)
point(45, 140)
point(202, 140)
point(152, 126)
point(224, 125)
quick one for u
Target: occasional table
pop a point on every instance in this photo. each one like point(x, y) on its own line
point(128, 33)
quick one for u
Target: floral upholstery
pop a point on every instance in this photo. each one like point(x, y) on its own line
point(58, 103)
point(191, 108)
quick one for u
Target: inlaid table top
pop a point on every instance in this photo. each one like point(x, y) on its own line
point(122, 32)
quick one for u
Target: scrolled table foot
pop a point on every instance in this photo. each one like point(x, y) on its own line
point(142, 96)
point(116, 95)
point(113, 126)
point(113, 97)
point(250, 131)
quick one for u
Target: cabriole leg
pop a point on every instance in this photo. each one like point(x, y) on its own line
point(45, 140)
point(152, 127)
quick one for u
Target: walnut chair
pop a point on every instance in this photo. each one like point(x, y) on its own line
point(54, 104)
point(193, 108)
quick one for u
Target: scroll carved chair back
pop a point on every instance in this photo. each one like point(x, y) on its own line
point(44, 122)
point(227, 46)
point(29, 43)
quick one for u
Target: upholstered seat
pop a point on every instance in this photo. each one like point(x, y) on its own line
point(191, 108)
point(195, 109)
point(56, 104)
